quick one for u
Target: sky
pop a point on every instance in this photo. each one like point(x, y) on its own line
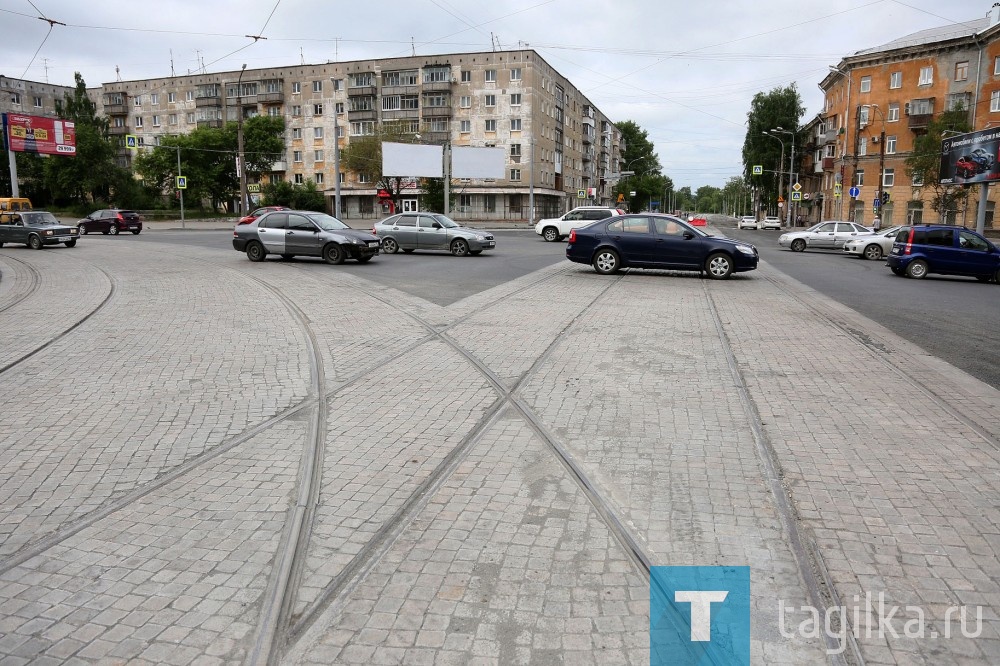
point(686, 72)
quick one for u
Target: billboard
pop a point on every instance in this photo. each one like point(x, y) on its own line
point(406, 159)
point(974, 157)
point(35, 134)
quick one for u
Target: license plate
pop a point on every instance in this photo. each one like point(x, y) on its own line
point(63, 239)
point(372, 243)
point(491, 244)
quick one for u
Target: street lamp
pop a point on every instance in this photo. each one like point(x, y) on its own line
point(847, 136)
point(791, 172)
point(240, 166)
point(781, 161)
point(881, 160)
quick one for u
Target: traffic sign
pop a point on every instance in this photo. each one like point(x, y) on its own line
point(758, 169)
point(131, 141)
point(797, 187)
point(253, 188)
point(854, 192)
point(796, 196)
point(876, 203)
point(780, 199)
point(621, 197)
point(581, 194)
point(182, 182)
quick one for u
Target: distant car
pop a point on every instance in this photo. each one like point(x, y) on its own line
point(945, 250)
point(830, 235)
point(873, 247)
point(965, 167)
point(247, 219)
point(430, 231)
point(770, 222)
point(303, 232)
point(747, 222)
point(556, 228)
point(657, 241)
point(984, 159)
point(111, 221)
point(36, 229)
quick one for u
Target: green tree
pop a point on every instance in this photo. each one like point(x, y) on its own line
point(308, 197)
point(924, 163)
point(781, 107)
point(735, 199)
point(708, 199)
point(638, 157)
point(363, 155)
point(433, 199)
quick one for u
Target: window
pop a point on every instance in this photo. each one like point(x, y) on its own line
point(962, 71)
point(317, 156)
point(515, 174)
point(436, 101)
point(189, 96)
point(515, 99)
point(466, 76)
point(491, 100)
point(390, 103)
point(888, 178)
point(340, 131)
point(274, 111)
point(296, 132)
point(491, 126)
point(297, 156)
point(38, 102)
point(890, 145)
point(465, 202)
point(190, 118)
point(859, 178)
point(338, 84)
point(465, 126)
point(465, 101)
point(317, 132)
point(893, 114)
point(339, 108)
point(154, 98)
point(317, 109)
point(318, 177)
point(491, 76)
point(917, 180)
point(363, 128)
point(970, 241)
point(317, 86)
point(863, 115)
point(995, 100)
point(171, 97)
point(515, 74)
point(172, 119)
point(298, 179)
point(515, 124)
point(136, 101)
point(296, 88)
point(921, 107)
point(996, 66)
point(490, 203)
point(296, 110)
point(926, 76)
point(364, 178)
point(156, 121)
point(862, 145)
point(138, 122)
point(866, 84)
point(515, 150)
point(437, 74)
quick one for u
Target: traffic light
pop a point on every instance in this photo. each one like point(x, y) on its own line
point(885, 198)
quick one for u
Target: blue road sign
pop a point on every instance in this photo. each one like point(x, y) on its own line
point(854, 192)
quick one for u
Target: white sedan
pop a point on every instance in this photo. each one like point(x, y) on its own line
point(830, 235)
point(874, 246)
point(771, 222)
point(747, 222)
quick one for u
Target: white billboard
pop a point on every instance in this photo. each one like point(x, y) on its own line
point(415, 160)
point(472, 162)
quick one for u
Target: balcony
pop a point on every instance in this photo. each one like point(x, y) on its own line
point(362, 91)
point(401, 114)
point(919, 121)
point(436, 137)
point(827, 164)
point(362, 114)
point(200, 102)
point(119, 130)
point(279, 166)
point(436, 112)
point(116, 109)
point(400, 90)
point(437, 86)
point(210, 123)
point(819, 167)
point(271, 97)
point(588, 139)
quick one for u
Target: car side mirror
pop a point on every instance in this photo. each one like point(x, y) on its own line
point(688, 235)
point(436, 225)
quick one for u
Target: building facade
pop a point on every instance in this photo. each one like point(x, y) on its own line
point(558, 143)
point(30, 97)
point(879, 100)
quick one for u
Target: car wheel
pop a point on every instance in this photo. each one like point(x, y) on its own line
point(475, 253)
point(719, 266)
point(256, 251)
point(333, 254)
point(917, 269)
point(407, 250)
point(288, 257)
point(459, 247)
point(114, 229)
point(390, 246)
point(873, 252)
point(996, 278)
point(83, 229)
point(364, 260)
point(135, 232)
point(71, 243)
point(606, 261)
point(551, 234)
point(798, 245)
point(34, 242)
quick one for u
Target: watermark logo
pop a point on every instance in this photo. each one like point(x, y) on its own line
point(699, 615)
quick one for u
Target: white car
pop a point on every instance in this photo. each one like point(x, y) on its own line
point(557, 228)
point(747, 222)
point(875, 246)
point(770, 222)
point(830, 235)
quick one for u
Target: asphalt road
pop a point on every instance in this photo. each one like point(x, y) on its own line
point(954, 318)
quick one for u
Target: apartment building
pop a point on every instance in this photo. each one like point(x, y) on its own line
point(30, 97)
point(558, 143)
point(878, 100)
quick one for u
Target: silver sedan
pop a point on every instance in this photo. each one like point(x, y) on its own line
point(874, 246)
point(830, 235)
point(430, 231)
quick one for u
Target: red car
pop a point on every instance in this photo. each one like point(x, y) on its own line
point(965, 167)
point(247, 219)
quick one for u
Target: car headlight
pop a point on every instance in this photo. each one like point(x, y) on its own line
point(480, 238)
point(48, 233)
point(783, 237)
point(745, 249)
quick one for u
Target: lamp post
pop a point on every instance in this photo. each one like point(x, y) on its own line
point(791, 173)
point(240, 166)
point(881, 160)
point(781, 161)
point(847, 138)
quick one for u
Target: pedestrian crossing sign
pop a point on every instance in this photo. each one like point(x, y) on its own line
point(131, 141)
point(796, 196)
point(182, 182)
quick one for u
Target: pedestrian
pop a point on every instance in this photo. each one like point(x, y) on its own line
point(798, 220)
point(877, 223)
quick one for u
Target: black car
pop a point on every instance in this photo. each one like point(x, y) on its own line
point(36, 229)
point(657, 241)
point(111, 221)
point(291, 233)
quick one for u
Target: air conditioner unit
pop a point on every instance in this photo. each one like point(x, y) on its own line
point(862, 124)
point(874, 139)
point(906, 109)
point(454, 80)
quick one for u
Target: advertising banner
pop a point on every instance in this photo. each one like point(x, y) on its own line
point(35, 134)
point(967, 159)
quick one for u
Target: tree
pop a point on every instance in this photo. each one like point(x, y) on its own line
point(364, 155)
point(924, 163)
point(433, 199)
point(638, 157)
point(782, 107)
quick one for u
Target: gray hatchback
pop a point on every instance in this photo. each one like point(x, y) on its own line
point(430, 231)
point(292, 233)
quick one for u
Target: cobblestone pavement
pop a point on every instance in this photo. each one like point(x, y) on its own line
point(172, 413)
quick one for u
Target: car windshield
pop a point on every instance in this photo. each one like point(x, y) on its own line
point(327, 222)
point(39, 219)
point(446, 222)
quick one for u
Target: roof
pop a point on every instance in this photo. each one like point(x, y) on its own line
point(932, 35)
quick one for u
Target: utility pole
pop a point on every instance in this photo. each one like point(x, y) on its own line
point(447, 170)
point(181, 190)
point(531, 179)
point(240, 166)
point(336, 162)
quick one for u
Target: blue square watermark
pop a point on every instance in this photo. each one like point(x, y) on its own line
point(699, 616)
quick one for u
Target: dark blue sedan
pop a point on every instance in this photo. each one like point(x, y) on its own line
point(658, 241)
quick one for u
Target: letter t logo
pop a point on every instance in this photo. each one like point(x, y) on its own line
point(701, 610)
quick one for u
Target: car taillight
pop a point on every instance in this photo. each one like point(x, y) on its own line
point(572, 235)
point(374, 231)
point(909, 243)
point(120, 216)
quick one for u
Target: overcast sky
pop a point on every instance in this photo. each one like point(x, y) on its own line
point(683, 70)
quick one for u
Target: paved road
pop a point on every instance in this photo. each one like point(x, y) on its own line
point(209, 461)
point(954, 318)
